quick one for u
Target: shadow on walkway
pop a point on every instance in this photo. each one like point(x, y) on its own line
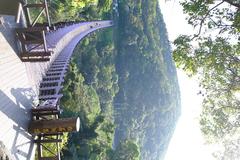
point(18, 111)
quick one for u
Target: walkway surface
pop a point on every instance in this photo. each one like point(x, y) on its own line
point(19, 82)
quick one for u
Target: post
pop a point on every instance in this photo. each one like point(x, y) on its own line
point(54, 126)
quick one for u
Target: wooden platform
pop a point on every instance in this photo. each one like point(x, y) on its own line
point(19, 82)
point(16, 95)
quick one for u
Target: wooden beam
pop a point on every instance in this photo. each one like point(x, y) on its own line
point(50, 84)
point(48, 79)
point(45, 97)
point(55, 73)
point(54, 125)
point(35, 41)
point(35, 54)
point(39, 114)
point(35, 59)
point(53, 77)
point(58, 69)
point(59, 65)
point(32, 5)
point(27, 15)
point(51, 88)
point(45, 109)
point(44, 41)
point(19, 13)
point(49, 158)
point(39, 148)
point(48, 141)
point(52, 134)
point(32, 29)
point(47, 13)
point(52, 81)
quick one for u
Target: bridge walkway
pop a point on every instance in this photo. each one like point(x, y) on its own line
point(19, 82)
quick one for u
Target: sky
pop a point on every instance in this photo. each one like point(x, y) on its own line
point(187, 142)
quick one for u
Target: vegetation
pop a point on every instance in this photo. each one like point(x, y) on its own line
point(121, 83)
point(52, 147)
point(147, 104)
point(89, 90)
point(126, 150)
point(212, 54)
point(74, 10)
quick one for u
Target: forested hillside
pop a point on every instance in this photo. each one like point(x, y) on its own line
point(89, 90)
point(71, 10)
point(148, 102)
point(122, 84)
point(88, 93)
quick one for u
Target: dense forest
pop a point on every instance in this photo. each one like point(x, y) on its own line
point(89, 90)
point(148, 101)
point(121, 82)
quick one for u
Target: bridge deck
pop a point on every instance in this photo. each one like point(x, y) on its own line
point(19, 82)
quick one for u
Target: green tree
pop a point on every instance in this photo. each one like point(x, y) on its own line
point(223, 15)
point(213, 55)
point(126, 150)
point(89, 89)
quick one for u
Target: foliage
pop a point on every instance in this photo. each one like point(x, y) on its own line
point(212, 54)
point(83, 101)
point(148, 102)
point(53, 146)
point(230, 150)
point(222, 16)
point(126, 150)
point(79, 10)
point(90, 86)
point(70, 10)
point(89, 91)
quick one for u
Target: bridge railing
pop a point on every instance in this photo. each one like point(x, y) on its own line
point(33, 44)
point(46, 123)
point(32, 38)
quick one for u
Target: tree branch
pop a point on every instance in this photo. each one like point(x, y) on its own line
point(203, 19)
point(220, 25)
point(232, 3)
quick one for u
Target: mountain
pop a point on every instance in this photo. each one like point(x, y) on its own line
point(147, 105)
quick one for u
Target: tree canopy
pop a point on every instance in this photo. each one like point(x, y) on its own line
point(80, 10)
point(126, 150)
point(147, 105)
point(212, 54)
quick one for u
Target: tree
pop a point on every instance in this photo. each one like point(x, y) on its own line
point(230, 150)
point(223, 15)
point(213, 55)
point(126, 150)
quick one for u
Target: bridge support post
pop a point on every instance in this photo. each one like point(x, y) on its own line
point(43, 8)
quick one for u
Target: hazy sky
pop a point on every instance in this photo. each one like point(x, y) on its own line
point(187, 142)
